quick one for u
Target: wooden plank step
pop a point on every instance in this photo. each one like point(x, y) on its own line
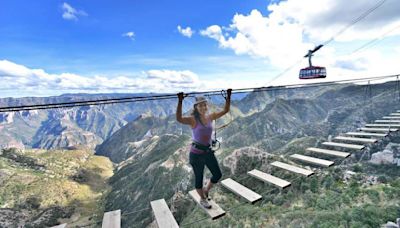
point(366, 134)
point(382, 125)
point(163, 215)
point(292, 168)
point(378, 129)
point(388, 121)
point(329, 152)
point(354, 139)
point(395, 114)
point(60, 226)
point(112, 219)
point(241, 190)
point(312, 160)
point(344, 145)
point(214, 212)
point(269, 178)
point(391, 117)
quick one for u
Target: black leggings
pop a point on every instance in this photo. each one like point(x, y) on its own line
point(198, 161)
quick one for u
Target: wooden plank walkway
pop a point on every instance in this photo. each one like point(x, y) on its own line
point(344, 145)
point(214, 212)
point(60, 226)
point(163, 215)
point(391, 117)
point(112, 219)
point(329, 152)
point(354, 139)
point(366, 134)
point(269, 178)
point(378, 129)
point(241, 190)
point(382, 125)
point(312, 160)
point(292, 168)
point(388, 121)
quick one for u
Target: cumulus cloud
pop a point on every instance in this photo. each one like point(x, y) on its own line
point(172, 81)
point(188, 32)
point(293, 27)
point(184, 77)
point(16, 77)
point(320, 20)
point(70, 13)
point(130, 35)
point(255, 35)
point(214, 32)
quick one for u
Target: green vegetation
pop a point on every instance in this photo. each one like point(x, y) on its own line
point(69, 183)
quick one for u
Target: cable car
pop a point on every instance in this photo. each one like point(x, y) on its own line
point(312, 71)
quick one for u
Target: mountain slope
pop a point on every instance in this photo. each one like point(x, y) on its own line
point(159, 172)
point(101, 121)
point(41, 188)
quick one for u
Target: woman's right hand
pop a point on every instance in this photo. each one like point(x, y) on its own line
point(181, 96)
point(229, 92)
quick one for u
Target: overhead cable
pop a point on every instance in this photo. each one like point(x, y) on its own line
point(374, 41)
point(362, 16)
point(173, 96)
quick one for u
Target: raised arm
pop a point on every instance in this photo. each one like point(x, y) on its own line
point(227, 107)
point(184, 120)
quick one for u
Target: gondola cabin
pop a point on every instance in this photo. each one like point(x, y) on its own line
point(312, 72)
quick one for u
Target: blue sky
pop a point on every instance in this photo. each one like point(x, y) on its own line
point(52, 47)
point(38, 36)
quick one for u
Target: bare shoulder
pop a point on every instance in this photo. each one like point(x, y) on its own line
point(213, 116)
point(188, 120)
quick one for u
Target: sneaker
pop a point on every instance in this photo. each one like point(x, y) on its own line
point(205, 203)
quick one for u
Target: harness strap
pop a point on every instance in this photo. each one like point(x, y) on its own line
point(201, 147)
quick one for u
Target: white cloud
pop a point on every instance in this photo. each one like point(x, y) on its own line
point(188, 32)
point(256, 36)
point(322, 19)
point(130, 35)
point(70, 13)
point(292, 27)
point(13, 70)
point(215, 32)
point(32, 82)
point(170, 76)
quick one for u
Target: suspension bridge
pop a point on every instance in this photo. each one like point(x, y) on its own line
point(341, 147)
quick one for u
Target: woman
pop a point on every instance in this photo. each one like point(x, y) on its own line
point(200, 152)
